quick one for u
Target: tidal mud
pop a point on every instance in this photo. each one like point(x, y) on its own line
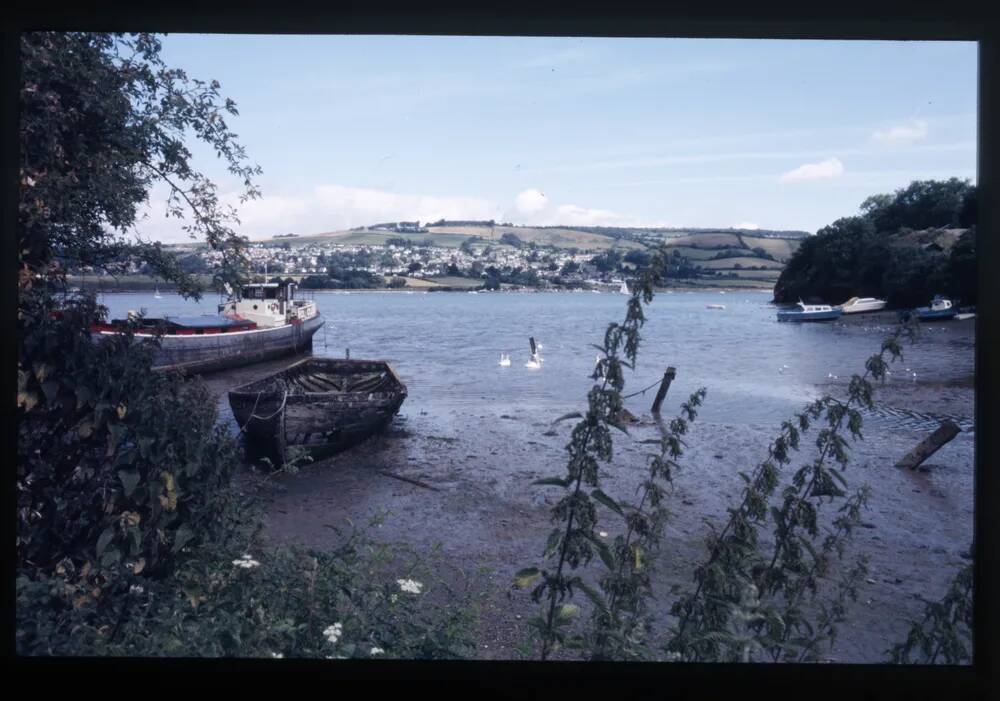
point(483, 520)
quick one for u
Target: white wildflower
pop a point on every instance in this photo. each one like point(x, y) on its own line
point(135, 589)
point(377, 651)
point(246, 562)
point(393, 598)
point(333, 633)
point(409, 585)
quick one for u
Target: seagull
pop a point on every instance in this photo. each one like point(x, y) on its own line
point(504, 360)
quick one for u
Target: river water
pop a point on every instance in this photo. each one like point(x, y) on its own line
point(446, 348)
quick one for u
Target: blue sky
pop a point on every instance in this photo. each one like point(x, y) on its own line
point(354, 130)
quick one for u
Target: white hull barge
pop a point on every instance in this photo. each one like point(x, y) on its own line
point(264, 322)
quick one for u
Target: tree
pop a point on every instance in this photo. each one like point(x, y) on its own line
point(870, 255)
point(102, 121)
point(923, 204)
point(120, 470)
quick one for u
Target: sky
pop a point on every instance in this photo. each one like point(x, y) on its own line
point(775, 134)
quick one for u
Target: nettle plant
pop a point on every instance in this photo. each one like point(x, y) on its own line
point(618, 619)
point(752, 601)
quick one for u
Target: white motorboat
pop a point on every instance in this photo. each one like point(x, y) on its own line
point(857, 305)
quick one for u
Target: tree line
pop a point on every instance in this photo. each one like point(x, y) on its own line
point(876, 254)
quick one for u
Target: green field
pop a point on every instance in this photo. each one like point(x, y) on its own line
point(742, 261)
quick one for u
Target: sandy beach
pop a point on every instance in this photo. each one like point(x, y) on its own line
point(476, 518)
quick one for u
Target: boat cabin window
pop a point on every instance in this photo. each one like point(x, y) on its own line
point(259, 292)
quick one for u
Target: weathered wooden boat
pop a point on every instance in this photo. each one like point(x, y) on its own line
point(940, 309)
point(261, 322)
point(320, 405)
point(809, 312)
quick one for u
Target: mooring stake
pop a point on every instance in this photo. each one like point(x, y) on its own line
point(930, 445)
point(661, 393)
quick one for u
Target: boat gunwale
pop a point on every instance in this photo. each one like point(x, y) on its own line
point(395, 384)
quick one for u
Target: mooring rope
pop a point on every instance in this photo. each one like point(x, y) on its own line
point(643, 391)
point(253, 415)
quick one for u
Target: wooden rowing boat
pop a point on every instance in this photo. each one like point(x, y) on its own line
point(320, 405)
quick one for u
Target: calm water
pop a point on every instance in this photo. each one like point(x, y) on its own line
point(446, 348)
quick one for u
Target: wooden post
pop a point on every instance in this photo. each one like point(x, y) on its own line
point(661, 393)
point(534, 350)
point(930, 445)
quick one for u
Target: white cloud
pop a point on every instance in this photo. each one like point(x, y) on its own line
point(914, 130)
point(533, 207)
point(326, 208)
point(830, 168)
point(746, 225)
point(338, 207)
point(530, 201)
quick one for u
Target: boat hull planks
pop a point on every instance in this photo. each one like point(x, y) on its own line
point(320, 405)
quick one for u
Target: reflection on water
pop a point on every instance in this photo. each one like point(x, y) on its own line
point(446, 347)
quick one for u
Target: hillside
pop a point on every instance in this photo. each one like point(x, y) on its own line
point(719, 256)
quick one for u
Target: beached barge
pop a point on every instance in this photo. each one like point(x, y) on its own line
point(321, 405)
point(262, 322)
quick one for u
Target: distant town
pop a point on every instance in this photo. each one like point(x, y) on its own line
point(484, 254)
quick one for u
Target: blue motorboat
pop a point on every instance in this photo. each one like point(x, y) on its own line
point(941, 308)
point(810, 312)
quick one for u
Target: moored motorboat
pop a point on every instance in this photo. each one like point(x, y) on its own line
point(858, 305)
point(941, 308)
point(261, 322)
point(320, 405)
point(809, 312)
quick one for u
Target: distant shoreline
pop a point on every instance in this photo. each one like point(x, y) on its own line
point(456, 290)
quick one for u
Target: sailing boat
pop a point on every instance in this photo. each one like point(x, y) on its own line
point(157, 295)
point(624, 288)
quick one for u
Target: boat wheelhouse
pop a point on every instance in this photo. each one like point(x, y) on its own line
point(858, 305)
point(809, 312)
point(940, 308)
point(261, 322)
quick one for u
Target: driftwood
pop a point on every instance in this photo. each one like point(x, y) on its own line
point(930, 445)
point(661, 394)
point(408, 479)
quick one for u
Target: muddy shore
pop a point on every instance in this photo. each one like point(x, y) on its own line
point(479, 520)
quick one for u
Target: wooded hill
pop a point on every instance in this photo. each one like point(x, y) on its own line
point(904, 247)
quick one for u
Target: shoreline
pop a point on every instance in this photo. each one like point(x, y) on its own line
point(481, 520)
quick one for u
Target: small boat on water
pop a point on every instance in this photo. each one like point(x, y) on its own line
point(157, 295)
point(715, 306)
point(809, 312)
point(321, 405)
point(858, 305)
point(941, 308)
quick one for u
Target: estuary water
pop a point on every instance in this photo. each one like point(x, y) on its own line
point(446, 346)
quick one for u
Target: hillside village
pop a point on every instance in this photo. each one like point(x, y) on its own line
point(450, 254)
